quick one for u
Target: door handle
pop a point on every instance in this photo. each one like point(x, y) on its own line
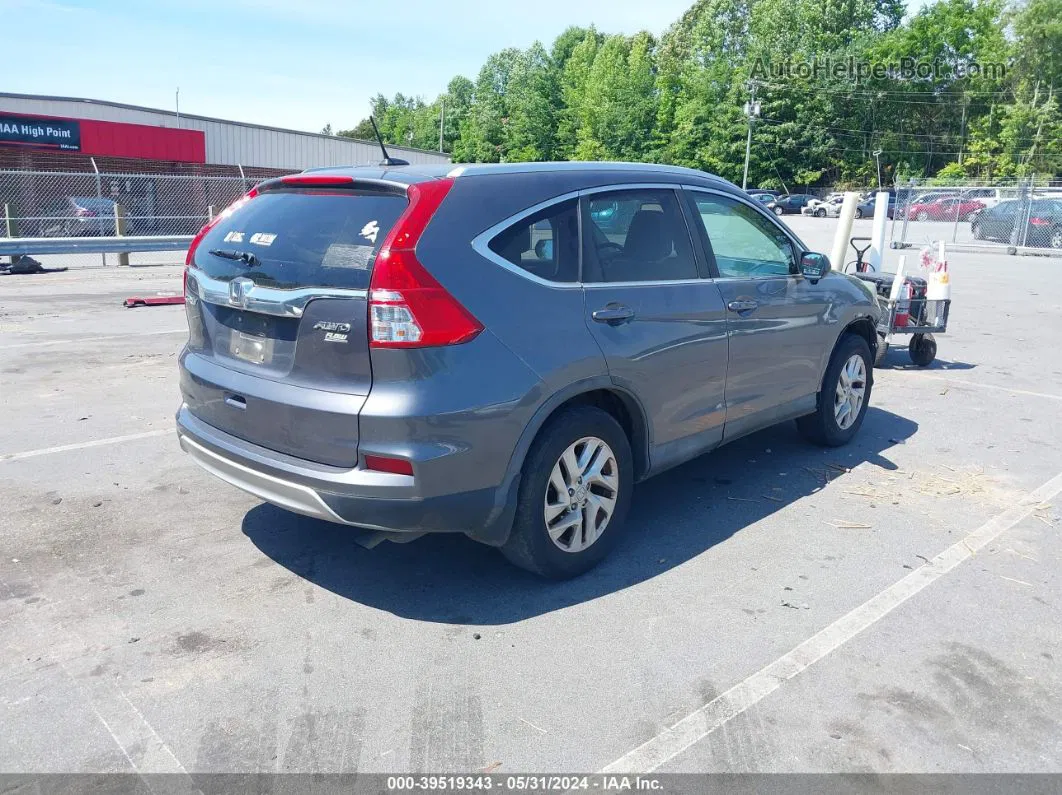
point(613, 315)
point(745, 305)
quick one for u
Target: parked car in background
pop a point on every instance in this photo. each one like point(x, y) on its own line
point(78, 216)
point(762, 198)
point(989, 197)
point(504, 350)
point(945, 208)
point(1042, 225)
point(789, 204)
point(830, 207)
point(865, 209)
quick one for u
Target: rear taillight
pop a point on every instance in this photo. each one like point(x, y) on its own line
point(189, 258)
point(408, 308)
point(1040, 221)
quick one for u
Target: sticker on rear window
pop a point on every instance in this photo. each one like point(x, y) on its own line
point(263, 238)
point(370, 231)
point(234, 237)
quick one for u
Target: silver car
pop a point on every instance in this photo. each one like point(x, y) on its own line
point(504, 350)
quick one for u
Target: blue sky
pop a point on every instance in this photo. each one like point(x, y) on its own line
point(289, 63)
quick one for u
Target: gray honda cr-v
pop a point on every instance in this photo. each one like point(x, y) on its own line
point(504, 350)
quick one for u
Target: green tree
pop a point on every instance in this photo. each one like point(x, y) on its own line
point(573, 78)
point(618, 107)
point(680, 99)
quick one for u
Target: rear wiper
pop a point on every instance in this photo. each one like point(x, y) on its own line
point(243, 256)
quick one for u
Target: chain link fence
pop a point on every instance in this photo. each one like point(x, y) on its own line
point(109, 204)
point(1023, 215)
point(66, 204)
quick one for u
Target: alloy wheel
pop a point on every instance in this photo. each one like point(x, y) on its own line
point(581, 494)
point(850, 391)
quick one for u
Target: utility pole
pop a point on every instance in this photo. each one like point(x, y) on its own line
point(877, 158)
point(752, 111)
point(442, 121)
point(962, 131)
point(177, 99)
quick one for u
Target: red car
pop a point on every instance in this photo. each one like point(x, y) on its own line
point(945, 209)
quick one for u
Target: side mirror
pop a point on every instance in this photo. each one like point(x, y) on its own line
point(814, 266)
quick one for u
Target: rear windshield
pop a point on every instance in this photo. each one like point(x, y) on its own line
point(302, 238)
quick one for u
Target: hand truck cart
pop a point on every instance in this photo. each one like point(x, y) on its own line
point(911, 313)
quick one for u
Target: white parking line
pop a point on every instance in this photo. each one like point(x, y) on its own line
point(63, 448)
point(695, 727)
point(93, 339)
point(961, 382)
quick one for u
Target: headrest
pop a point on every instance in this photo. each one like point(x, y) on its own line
point(649, 237)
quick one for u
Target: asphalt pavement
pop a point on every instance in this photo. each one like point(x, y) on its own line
point(891, 606)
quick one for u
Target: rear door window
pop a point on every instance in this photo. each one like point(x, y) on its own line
point(637, 236)
point(302, 238)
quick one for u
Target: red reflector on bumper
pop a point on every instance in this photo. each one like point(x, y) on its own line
point(397, 466)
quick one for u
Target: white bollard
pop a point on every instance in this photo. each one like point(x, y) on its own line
point(877, 234)
point(844, 230)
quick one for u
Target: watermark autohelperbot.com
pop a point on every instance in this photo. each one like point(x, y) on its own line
point(859, 70)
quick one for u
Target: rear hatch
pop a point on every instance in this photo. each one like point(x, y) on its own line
point(276, 301)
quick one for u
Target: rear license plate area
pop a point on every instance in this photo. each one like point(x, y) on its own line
point(251, 347)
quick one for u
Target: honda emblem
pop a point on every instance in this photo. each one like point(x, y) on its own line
point(238, 290)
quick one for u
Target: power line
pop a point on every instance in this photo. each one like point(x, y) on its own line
point(878, 134)
point(878, 92)
point(864, 132)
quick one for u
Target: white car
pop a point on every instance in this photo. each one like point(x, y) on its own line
point(830, 207)
point(989, 197)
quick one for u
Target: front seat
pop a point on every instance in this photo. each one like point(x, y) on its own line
point(650, 242)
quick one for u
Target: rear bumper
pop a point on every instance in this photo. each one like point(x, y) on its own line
point(358, 497)
point(293, 496)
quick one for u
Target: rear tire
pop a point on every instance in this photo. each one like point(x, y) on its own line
point(820, 213)
point(975, 230)
point(830, 425)
point(569, 436)
point(858, 213)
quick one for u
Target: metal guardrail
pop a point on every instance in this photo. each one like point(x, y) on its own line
point(32, 246)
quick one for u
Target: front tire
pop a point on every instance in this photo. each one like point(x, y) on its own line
point(779, 211)
point(820, 213)
point(844, 397)
point(922, 349)
point(575, 490)
point(922, 216)
point(882, 350)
